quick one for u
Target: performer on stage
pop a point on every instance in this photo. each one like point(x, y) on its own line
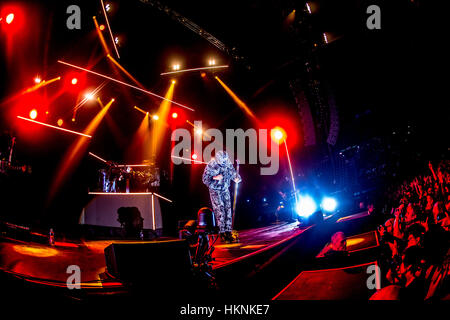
point(217, 177)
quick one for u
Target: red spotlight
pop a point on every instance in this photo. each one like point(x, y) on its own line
point(174, 115)
point(9, 18)
point(33, 114)
point(278, 134)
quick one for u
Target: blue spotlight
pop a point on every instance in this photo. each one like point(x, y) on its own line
point(306, 206)
point(329, 204)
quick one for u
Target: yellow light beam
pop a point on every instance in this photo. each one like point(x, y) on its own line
point(100, 35)
point(109, 28)
point(125, 71)
point(160, 125)
point(75, 152)
point(41, 84)
point(236, 99)
point(125, 84)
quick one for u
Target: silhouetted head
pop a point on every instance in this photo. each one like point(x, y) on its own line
point(222, 158)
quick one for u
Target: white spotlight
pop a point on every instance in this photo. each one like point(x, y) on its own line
point(329, 204)
point(306, 206)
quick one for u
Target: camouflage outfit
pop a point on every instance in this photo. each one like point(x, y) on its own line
point(219, 189)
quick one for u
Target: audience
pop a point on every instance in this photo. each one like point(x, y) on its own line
point(415, 238)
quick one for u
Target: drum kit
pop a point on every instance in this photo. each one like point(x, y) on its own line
point(123, 178)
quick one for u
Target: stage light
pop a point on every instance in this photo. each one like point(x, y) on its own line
point(155, 117)
point(176, 67)
point(10, 18)
point(37, 80)
point(116, 40)
point(108, 7)
point(329, 204)
point(73, 119)
point(194, 156)
point(60, 122)
point(89, 96)
point(203, 74)
point(325, 38)
point(278, 134)
point(212, 62)
point(174, 115)
point(173, 82)
point(199, 131)
point(102, 27)
point(33, 114)
point(306, 206)
point(74, 81)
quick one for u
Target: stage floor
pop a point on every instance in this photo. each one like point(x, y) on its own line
point(46, 263)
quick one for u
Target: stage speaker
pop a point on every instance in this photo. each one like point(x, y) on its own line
point(160, 264)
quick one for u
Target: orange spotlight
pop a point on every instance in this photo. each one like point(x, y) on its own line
point(174, 115)
point(33, 114)
point(236, 99)
point(203, 74)
point(173, 82)
point(155, 117)
point(74, 81)
point(10, 18)
point(278, 134)
point(102, 27)
point(60, 122)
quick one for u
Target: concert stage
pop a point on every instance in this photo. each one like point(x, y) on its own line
point(44, 264)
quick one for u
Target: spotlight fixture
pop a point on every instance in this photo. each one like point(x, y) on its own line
point(212, 62)
point(102, 27)
point(155, 117)
point(60, 122)
point(176, 67)
point(74, 81)
point(37, 80)
point(174, 115)
point(89, 96)
point(9, 18)
point(33, 114)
